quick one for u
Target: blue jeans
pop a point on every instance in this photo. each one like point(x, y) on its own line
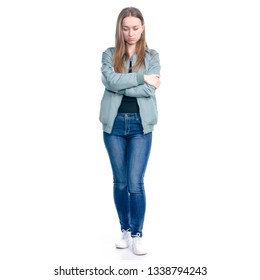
point(128, 149)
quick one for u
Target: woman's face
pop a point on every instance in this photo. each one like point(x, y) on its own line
point(132, 30)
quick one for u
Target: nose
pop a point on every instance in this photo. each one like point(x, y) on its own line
point(130, 32)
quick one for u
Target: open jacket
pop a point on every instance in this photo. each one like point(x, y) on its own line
point(129, 84)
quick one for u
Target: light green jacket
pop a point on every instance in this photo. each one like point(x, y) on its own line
point(129, 84)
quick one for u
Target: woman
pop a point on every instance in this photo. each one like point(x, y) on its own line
point(128, 113)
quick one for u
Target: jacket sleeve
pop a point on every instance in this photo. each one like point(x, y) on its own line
point(116, 82)
point(146, 90)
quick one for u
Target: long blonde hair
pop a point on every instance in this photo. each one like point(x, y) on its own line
point(120, 53)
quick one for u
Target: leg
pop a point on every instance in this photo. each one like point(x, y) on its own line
point(139, 147)
point(116, 148)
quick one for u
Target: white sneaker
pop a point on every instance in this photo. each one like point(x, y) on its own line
point(124, 241)
point(138, 246)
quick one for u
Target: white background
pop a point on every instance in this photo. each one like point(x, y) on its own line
point(203, 175)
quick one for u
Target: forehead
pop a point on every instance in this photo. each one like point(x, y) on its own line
point(131, 21)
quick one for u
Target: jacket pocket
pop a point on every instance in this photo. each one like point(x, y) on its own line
point(148, 110)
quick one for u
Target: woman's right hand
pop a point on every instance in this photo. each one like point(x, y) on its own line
point(153, 80)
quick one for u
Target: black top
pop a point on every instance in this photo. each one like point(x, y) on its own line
point(129, 104)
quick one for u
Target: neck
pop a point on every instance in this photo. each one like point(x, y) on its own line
point(130, 50)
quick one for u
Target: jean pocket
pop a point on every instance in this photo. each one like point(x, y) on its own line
point(138, 118)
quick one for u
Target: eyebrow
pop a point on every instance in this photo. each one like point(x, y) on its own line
point(130, 26)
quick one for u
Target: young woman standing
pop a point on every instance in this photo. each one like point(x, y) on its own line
point(128, 113)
